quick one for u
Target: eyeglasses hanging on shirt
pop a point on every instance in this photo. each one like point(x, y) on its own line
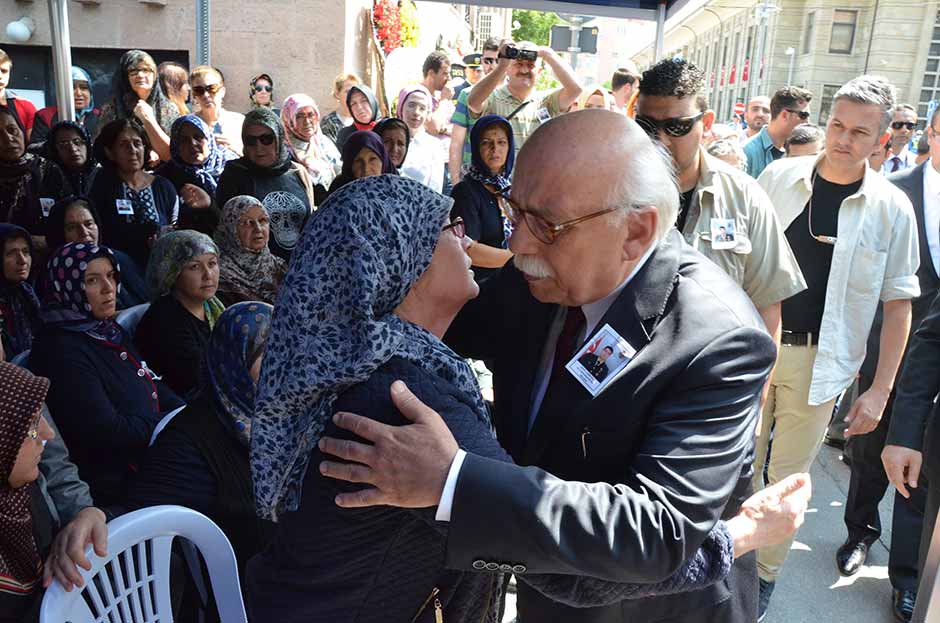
point(809, 218)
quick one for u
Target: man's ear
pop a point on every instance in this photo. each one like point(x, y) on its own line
point(708, 120)
point(642, 224)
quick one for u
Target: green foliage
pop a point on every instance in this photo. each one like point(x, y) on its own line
point(534, 26)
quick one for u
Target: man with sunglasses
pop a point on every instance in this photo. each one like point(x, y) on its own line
point(789, 107)
point(902, 129)
point(855, 235)
point(672, 109)
point(459, 153)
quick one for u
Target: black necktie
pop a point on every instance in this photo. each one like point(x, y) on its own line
point(896, 164)
point(567, 342)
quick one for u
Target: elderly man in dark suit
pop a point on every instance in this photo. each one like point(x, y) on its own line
point(667, 445)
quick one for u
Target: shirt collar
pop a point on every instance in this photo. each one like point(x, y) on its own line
point(867, 179)
point(931, 178)
point(594, 312)
point(765, 139)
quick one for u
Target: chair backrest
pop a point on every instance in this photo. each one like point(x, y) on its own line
point(21, 360)
point(130, 317)
point(132, 583)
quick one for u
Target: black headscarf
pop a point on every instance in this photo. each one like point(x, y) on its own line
point(394, 123)
point(125, 99)
point(80, 181)
point(269, 119)
point(19, 306)
point(373, 102)
point(356, 142)
point(55, 222)
point(19, 181)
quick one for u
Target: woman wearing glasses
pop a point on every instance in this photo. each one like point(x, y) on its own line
point(69, 146)
point(137, 94)
point(208, 88)
point(261, 92)
point(248, 271)
point(301, 118)
point(268, 173)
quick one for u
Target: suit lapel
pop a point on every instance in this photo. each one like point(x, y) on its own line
point(633, 315)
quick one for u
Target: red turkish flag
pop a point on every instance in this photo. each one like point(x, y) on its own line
point(745, 73)
point(721, 82)
point(731, 77)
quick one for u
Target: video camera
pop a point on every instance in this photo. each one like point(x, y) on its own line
point(515, 54)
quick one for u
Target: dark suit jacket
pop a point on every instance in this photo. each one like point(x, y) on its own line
point(911, 181)
point(703, 357)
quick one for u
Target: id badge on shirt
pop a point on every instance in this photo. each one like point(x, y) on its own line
point(722, 232)
point(543, 115)
point(124, 207)
point(601, 360)
point(46, 204)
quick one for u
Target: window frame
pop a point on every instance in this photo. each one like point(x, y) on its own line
point(853, 24)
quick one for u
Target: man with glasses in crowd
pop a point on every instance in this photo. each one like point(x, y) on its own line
point(673, 110)
point(855, 234)
point(902, 129)
point(460, 133)
point(517, 99)
point(789, 107)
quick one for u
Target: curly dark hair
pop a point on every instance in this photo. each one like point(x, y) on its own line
point(675, 77)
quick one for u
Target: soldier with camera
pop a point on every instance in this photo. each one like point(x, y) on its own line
point(509, 90)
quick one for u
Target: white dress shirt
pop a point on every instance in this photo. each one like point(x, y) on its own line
point(593, 313)
point(906, 159)
point(932, 213)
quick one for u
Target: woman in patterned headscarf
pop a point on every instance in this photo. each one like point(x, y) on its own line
point(268, 174)
point(25, 524)
point(248, 271)
point(200, 460)
point(183, 276)
point(301, 118)
point(104, 399)
point(380, 274)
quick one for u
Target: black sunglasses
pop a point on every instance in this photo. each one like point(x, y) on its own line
point(263, 87)
point(897, 125)
point(264, 139)
point(211, 89)
point(802, 114)
point(675, 127)
point(490, 61)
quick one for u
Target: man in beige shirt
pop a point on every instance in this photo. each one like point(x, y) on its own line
point(723, 212)
point(517, 99)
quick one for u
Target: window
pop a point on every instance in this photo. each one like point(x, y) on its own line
point(484, 26)
point(825, 102)
point(843, 31)
point(809, 32)
point(930, 87)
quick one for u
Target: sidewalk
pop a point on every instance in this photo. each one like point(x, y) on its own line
point(810, 590)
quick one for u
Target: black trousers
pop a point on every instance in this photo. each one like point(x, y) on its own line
point(866, 489)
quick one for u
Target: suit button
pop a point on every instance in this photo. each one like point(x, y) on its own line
point(505, 568)
point(123, 356)
point(154, 395)
point(518, 569)
point(479, 565)
point(492, 566)
point(141, 372)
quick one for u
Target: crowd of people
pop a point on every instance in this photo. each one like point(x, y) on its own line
point(256, 315)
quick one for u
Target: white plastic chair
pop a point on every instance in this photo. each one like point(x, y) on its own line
point(130, 317)
point(132, 584)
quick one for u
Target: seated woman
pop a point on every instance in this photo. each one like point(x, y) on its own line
point(103, 397)
point(195, 165)
point(248, 271)
point(301, 118)
point(268, 174)
point(425, 161)
point(484, 179)
point(74, 219)
point(380, 277)
point(364, 109)
point(364, 155)
point(200, 460)
point(29, 184)
point(69, 146)
point(136, 94)
point(395, 136)
point(86, 115)
point(183, 277)
point(134, 205)
point(19, 305)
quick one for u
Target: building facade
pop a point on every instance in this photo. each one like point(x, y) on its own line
point(814, 44)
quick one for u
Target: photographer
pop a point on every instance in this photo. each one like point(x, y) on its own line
point(517, 99)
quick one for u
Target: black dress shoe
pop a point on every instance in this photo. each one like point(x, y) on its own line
point(904, 605)
point(851, 556)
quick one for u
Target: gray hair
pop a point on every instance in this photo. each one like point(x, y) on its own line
point(804, 134)
point(728, 147)
point(870, 89)
point(649, 181)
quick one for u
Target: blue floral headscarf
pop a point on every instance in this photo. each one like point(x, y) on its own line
point(334, 323)
point(209, 171)
point(477, 169)
point(236, 342)
point(70, 309)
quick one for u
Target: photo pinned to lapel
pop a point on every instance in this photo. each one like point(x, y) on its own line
point(601, 360)
point(722, 230)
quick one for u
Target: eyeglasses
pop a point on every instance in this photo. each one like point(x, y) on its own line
point(544, 230)
point(72, 142)
point(457, 228)
point(675, 127)
point(252, 223)
point(897, 125)
point(802, 114)
point(211, 89)
point(267, 88)
point(139, 70)
point(264, 139)
point(310, 116)
point(490, 61)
